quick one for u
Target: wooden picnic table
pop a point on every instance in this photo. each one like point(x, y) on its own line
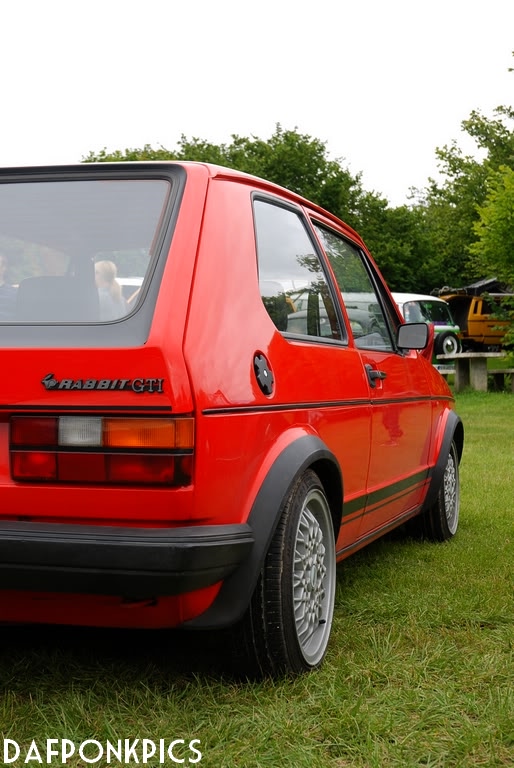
point(471, 369)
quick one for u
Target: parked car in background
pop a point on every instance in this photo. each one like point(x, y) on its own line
point(257, 411)
point(417, 307)
point(481, 330)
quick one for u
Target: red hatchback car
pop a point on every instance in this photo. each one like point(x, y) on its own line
point(209, 399)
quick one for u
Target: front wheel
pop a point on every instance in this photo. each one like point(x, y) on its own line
point(440, 522)
point(288, 624)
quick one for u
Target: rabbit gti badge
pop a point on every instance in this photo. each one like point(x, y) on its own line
point(134, 385)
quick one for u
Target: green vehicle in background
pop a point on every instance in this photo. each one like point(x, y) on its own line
point(418, 307)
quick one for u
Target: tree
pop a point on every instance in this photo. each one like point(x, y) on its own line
point(129, 155)
point(493, 251)
point(451, 208)
point(396, 237)
point(400, 243)
point(288, 158)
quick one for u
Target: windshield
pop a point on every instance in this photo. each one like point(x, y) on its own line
point(437, 312)
point(76, 250)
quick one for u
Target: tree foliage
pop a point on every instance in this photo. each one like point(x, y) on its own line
point(493, 251)
point(450, 234)
point(301, 163)
point(288, 158)
point(451, 207)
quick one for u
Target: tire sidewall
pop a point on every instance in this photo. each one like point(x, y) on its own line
point(441, 339)
point(443, 513)
point(308, 483)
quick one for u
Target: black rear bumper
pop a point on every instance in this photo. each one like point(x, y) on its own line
point(134, 563)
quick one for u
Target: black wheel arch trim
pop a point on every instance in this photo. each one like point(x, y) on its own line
point(453, 431)
point(237, 589)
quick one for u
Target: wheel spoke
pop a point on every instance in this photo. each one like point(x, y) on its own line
point(312, 577)
point(451, 493)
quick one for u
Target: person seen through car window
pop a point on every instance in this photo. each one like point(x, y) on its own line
point(112, 303)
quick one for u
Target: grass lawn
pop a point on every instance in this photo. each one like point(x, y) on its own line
point(420, 670)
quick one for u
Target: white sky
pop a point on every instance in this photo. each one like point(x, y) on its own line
point(381, 82)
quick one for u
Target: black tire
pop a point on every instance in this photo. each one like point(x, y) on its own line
point(287, 626)
point(447, 343)
point(440, 522)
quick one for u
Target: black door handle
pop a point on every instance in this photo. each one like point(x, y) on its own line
point(374, 374)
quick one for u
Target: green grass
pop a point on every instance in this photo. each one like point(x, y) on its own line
point(420, 670)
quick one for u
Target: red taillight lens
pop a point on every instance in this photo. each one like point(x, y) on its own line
point(116, 450)
point(131, 468)
point(34, 431)
point(81, 467)
point(34, 465)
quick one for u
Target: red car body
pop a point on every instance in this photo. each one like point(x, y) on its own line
point(146, 461)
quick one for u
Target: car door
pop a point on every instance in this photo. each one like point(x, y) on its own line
point(398, 389)
point(320, 384)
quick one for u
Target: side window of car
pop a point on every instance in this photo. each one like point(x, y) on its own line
point(293, 285)
point(370, 326)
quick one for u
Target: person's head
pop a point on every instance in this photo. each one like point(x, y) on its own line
point(105, 277)
point(105, 273)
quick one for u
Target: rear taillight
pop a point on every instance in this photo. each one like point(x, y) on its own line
point(102, 449)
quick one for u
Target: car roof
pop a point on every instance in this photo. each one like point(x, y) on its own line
point(401, 298)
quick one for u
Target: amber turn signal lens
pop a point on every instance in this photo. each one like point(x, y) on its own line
point(147, 433)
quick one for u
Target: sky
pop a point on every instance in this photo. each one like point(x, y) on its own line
point(382, 83)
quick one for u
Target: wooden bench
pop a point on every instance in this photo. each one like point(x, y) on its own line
point(498, 375)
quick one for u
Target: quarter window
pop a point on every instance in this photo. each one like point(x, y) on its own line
point(293, 285)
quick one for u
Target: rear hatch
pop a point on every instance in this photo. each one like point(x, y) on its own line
point(96, 413)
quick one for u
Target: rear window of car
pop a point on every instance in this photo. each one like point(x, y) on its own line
point(77, 250)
